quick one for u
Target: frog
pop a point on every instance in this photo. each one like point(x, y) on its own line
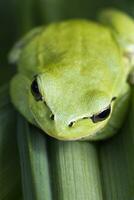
point(74, 77)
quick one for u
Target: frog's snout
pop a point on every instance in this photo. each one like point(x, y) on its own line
point(95, 118)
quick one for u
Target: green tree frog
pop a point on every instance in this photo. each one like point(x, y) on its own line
point(73, 76)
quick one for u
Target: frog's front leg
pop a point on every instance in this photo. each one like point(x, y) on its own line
point(17, 48)
point(19, 90)
point(118, 115)
point(122, 29)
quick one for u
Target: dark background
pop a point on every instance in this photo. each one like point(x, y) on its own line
point(18, 16)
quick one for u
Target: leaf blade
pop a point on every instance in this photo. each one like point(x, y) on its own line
point(34, 164)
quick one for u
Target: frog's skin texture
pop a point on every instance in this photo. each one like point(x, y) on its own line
point(72, 76)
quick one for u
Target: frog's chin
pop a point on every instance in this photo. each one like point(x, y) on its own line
point(90, 133)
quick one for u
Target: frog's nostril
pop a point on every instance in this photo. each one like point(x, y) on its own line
point(52, 116)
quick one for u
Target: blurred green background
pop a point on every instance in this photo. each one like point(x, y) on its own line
point(18, 16)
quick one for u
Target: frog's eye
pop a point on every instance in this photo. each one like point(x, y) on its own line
point(102, 115)
point(35, 90)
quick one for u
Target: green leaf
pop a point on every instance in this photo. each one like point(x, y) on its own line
point(10, 179)
point(74, 171)
point(5, 75)
point(117, 161)
point(34, 162)
point(25, 15)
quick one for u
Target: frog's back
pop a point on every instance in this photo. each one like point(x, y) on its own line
point(76, 45)
point(66, 43)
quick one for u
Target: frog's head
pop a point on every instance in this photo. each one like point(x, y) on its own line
point(67, 107)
